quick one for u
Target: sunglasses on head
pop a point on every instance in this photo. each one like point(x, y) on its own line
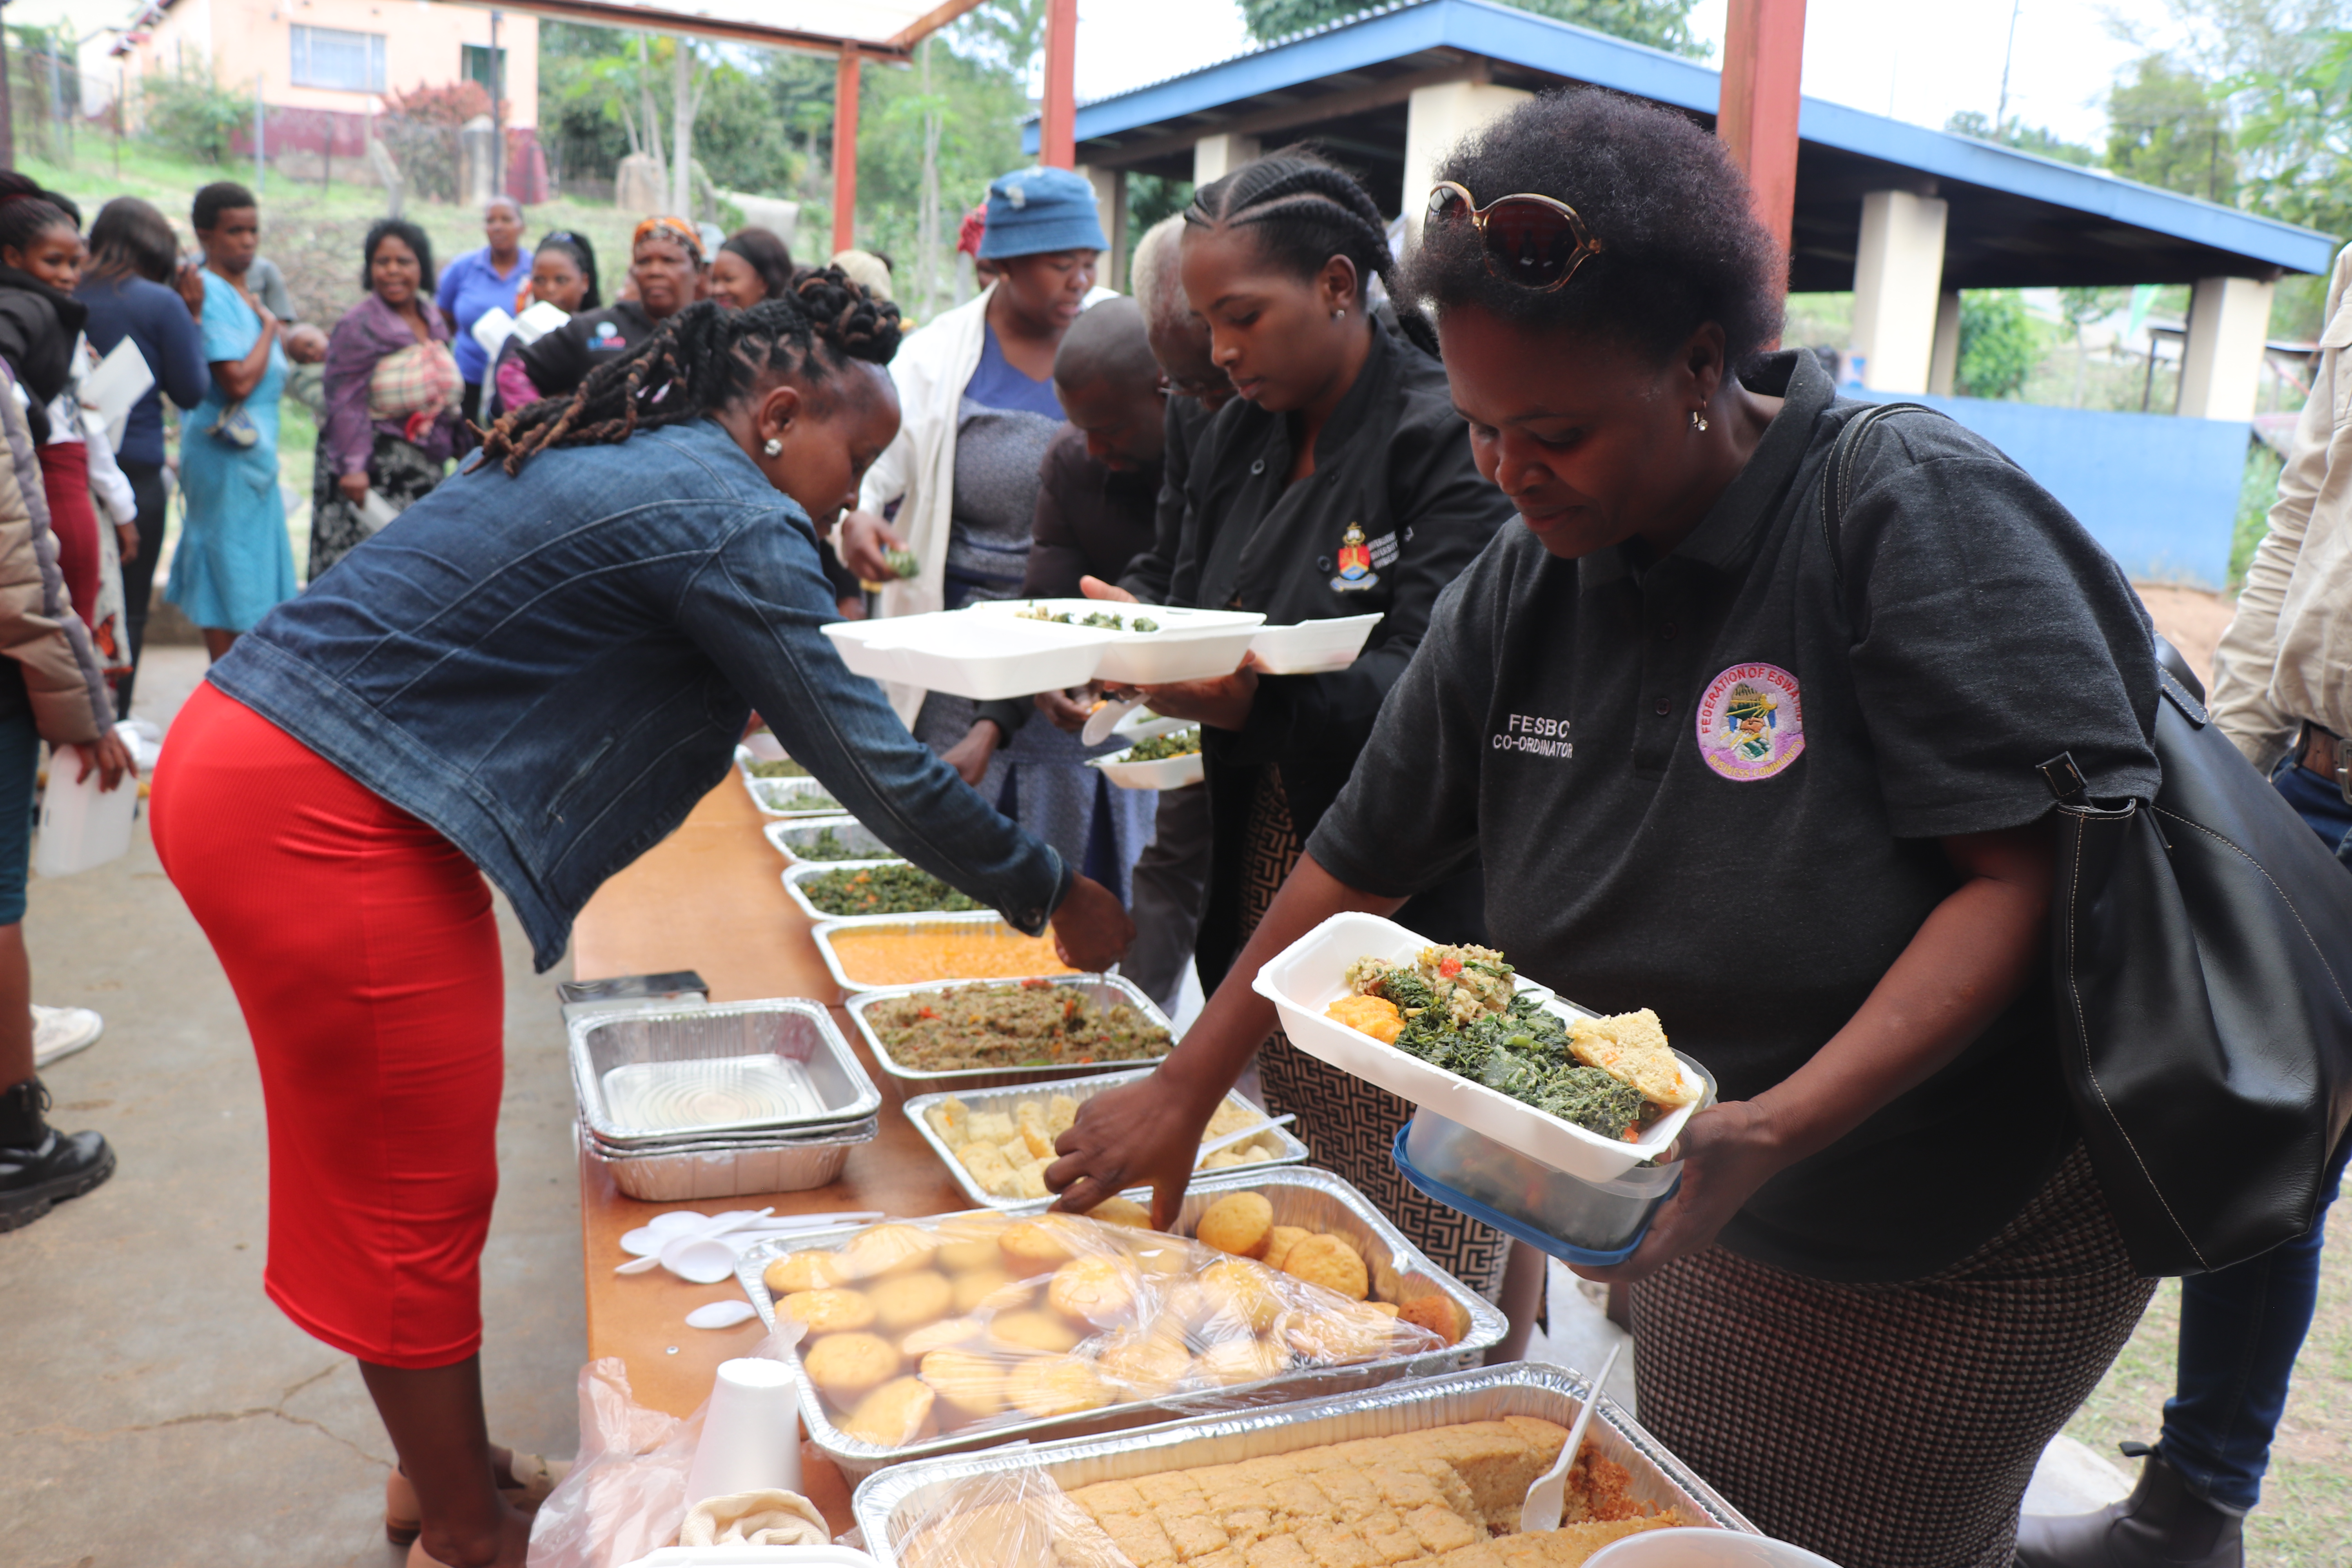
point(1533, 241)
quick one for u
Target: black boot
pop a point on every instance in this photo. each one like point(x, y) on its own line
point(2161, 1525)
point(39, 1165)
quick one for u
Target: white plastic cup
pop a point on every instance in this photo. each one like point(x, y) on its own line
point(751, 1435)
point(81, 825)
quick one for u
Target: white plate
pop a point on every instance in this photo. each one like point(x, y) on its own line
point(984, 657)
point(1190, 645)
point(1312, 648)
point(1142, 724)
point(1164, 772)
point(1310, 975)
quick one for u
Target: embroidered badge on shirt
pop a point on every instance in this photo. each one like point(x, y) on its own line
point(1751, 723)
point(605, 336)
point(1356, 572)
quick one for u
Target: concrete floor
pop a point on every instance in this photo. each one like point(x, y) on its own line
point(155, 1408)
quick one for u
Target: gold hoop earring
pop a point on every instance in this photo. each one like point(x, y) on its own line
point(1699, 423)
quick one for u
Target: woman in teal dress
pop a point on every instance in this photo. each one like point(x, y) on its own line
point(233, 560)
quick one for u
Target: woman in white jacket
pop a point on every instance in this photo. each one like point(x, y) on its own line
point(978, 409)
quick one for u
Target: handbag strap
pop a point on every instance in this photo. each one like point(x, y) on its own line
point(1837, 477)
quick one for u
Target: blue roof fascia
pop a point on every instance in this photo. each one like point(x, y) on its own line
point(1963, 158)
point(1561, 48)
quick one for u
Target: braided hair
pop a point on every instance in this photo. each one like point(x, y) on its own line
point(1307, 210)
point(702, 359)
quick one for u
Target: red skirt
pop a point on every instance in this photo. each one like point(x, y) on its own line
point(64, 481)
point(365, 955)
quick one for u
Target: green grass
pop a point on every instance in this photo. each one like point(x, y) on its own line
point(2256, 491)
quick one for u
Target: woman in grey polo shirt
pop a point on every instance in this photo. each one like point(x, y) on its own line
point(1782, 793)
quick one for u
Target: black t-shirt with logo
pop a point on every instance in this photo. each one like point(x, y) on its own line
point(1714, 784)
point(560, 361)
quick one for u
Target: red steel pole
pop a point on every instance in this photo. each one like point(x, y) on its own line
point(1763, 64)
point(845, 150)
point(1057, 141)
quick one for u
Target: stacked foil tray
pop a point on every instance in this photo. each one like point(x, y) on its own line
point(1300, 1195)
point(892, 1505)
point(696, 1100)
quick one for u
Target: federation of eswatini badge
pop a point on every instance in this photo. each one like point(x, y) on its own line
point(1751, 723)
point(1356, 572)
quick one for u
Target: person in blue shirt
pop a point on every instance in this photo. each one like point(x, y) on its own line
point(135, 287)
point(475, 283)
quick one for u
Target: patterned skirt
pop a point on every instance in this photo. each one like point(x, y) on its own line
point(397, 470)
point(1350, 1125)
point(1890, 1426)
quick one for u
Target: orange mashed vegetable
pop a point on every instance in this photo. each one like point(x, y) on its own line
point(886, 957)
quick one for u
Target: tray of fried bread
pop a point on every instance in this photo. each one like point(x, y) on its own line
point(965, 1330)
point(1429, 1473)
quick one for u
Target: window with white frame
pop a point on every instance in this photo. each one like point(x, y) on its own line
point(334, 57)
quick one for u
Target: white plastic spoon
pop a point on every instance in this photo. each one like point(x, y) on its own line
point(720, 1315)
point(1244, 1136)
point(1541, 1511)
point(1105, 718)
point(707, 1230)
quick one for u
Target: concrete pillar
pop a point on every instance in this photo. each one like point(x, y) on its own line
point(1215, 157)
point(1435, 119)
point(1110, 207)
point(1898, 276)
point(2222, 362)
point(1944, 365)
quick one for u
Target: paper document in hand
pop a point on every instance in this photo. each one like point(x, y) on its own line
point(120, 380)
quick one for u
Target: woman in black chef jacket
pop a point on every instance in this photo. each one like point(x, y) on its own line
point(1338, 483)
point(1781, 791)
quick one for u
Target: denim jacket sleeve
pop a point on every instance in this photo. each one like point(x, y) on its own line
point(755, 607)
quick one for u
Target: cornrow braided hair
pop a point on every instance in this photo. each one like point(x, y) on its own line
point(701, 360)
point(1307, 210)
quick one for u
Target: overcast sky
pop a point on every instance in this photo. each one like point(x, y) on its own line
point(1918, 62)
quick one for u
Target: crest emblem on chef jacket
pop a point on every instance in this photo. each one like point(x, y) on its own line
point(1751, 723)
point(1356, 572)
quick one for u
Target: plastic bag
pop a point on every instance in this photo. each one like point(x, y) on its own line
point(973, 1321)
point(625, 1495)
point(1010, 1519)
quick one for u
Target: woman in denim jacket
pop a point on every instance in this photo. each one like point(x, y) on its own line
point(533, 673)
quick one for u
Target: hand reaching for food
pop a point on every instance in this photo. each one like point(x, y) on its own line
point(1138, 1132)
point(1092, 929)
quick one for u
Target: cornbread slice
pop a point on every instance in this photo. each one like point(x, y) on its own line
point(1632, 1049)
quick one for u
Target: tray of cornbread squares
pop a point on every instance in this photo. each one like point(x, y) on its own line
point(1424, 1474)
point(970, 1330)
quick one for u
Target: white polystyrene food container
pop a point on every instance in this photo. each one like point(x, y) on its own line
point(984, 657)
point(1312, 648)
point(1190, 645)
point(1162, 772)
point(1310, 975)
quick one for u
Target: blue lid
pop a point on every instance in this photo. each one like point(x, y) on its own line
point(1519, 1229)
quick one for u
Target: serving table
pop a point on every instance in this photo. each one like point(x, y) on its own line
point(710, 898)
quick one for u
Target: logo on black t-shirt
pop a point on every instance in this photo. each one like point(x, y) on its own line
point(1751, 723)
point(1356, 572)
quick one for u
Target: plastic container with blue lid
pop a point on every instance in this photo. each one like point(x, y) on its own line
point(1593, 1224)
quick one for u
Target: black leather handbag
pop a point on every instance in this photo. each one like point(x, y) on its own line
point(2202, 954)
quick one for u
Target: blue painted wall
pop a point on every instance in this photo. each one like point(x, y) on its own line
point(2160, 492)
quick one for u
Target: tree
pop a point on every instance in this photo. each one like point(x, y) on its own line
point(2024, 138)
point(1661, 23)
point(1998, 345)
point(2169, 127)
point(2297, 136)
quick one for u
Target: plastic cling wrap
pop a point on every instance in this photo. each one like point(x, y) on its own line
point(977, 1322)
point(1009, 1519)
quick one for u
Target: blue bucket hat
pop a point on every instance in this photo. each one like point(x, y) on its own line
point(1033, 211)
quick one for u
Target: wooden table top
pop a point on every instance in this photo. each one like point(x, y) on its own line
point(710, 898)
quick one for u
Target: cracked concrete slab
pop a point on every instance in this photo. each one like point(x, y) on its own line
point(157, 1409)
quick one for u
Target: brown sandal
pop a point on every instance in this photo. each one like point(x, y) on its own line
point(529, 1480)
